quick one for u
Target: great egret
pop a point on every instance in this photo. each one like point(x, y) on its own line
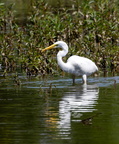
point(75, 65)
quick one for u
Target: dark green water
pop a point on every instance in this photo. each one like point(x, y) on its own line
point(55, 112)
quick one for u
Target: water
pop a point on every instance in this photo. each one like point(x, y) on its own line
point(55, 112)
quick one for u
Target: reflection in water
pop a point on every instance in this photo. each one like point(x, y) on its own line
point(74, 104)
point(31, 116)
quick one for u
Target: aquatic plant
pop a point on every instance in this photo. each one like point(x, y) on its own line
point(90, 29)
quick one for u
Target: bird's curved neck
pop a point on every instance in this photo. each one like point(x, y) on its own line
point(61, 63)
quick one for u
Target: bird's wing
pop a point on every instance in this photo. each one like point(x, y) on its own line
point(82, 65)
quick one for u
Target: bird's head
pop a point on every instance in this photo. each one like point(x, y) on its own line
point(58, 44)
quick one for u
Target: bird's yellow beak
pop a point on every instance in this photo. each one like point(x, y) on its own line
point(50, 47)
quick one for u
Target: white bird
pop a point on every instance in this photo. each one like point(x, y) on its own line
point(76, 65)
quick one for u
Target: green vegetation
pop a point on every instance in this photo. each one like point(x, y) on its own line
point(90, 29)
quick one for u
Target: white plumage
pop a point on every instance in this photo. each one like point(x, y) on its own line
point(76, 65)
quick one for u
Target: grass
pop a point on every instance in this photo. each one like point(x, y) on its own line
point(90, 29)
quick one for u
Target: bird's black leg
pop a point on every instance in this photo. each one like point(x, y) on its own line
point(73, 78)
